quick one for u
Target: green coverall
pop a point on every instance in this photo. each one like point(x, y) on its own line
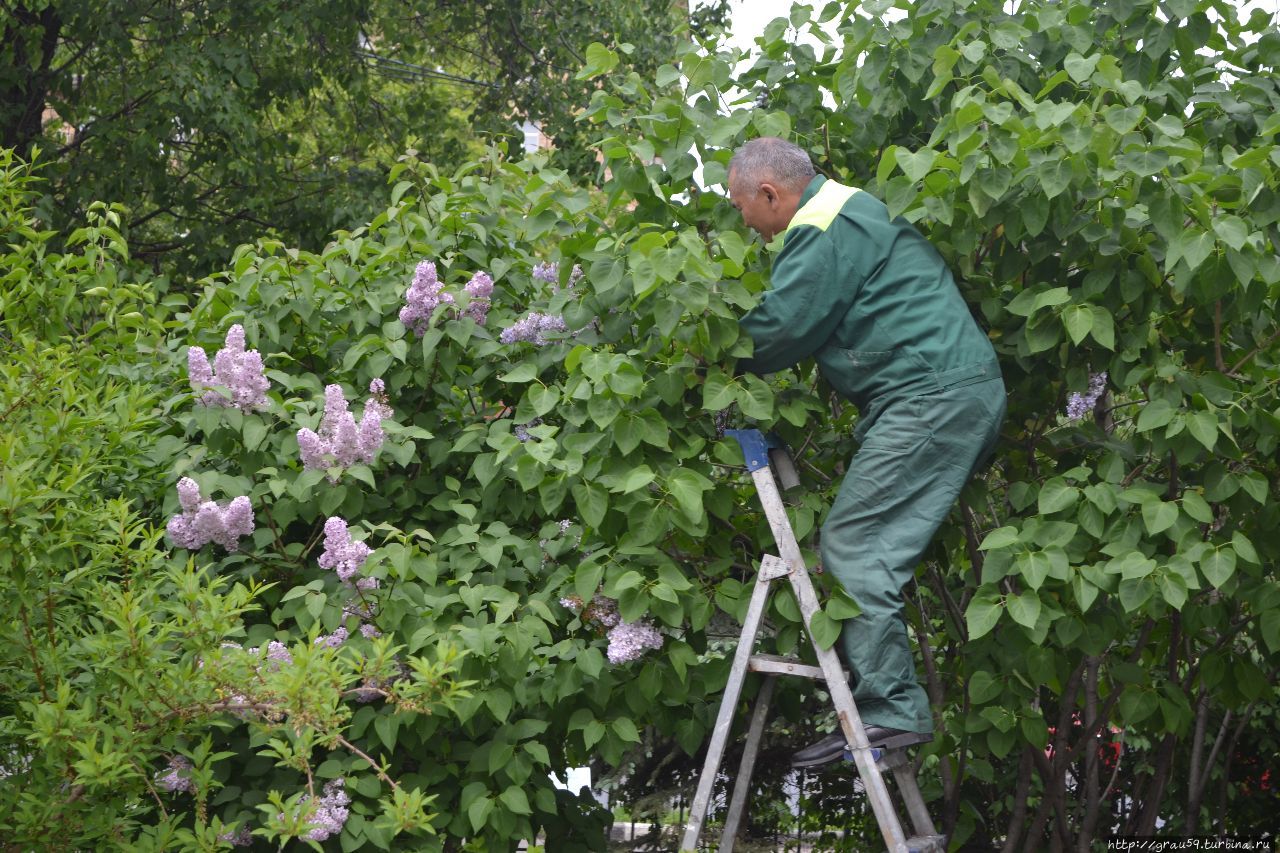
point(875, 304)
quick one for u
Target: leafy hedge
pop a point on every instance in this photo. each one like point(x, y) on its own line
point(1109, 195)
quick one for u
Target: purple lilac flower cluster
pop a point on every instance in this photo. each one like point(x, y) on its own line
point(628, 641)
point(202, 521)
point(547, 271)
point(479, 288)
point(342, 553)
point(1079, 405)
point(424, 295)
point(340, 635)
point(330, 813)
point(178, 777)
point(341, 441)
point(277, 655)
point(242, 837)
point(534, 328)
point(234, 368)
point(550, 273)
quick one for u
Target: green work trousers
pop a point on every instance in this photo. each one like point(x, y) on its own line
point(902, 482)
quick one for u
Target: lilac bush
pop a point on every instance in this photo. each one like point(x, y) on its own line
point(203, 521)
point(234, 368)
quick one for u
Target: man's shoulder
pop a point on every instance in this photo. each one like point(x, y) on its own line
point(823, 208)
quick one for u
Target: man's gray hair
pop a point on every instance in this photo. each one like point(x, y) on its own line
point(771, 159)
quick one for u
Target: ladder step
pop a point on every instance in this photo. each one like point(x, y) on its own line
point(783, 665)
point(927, 844)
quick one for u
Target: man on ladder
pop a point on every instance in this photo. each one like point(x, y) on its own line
point(875, 304)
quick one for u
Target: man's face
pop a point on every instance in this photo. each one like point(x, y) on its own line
point(763, 207)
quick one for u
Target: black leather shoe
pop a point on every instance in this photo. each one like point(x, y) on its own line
point(833, 745)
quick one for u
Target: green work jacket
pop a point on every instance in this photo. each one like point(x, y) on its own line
point(871, 299)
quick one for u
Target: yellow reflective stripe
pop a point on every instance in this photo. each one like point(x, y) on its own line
point(824, 206)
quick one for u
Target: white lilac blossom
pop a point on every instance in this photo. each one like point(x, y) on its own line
point(534, 328)
point(234, 368)
point(342, 441)
point(341, 553)
point(479, 288)
point(629, 641)
point(424, 295)
point(1079, 405)
point(202, 521)
point(178, 777)
point(370, 631)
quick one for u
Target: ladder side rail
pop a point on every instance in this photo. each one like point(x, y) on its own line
point(850, 723)
point(724, 719)
point(921, 822)
point(747, 766)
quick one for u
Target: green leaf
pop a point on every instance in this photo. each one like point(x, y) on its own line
point(587, 580)
point(515, 800)
point(687, 486)
point(525, 372)
point(543, 398)
point(1078, 320)
point(1218, 565)
point(1203, 426)
point(636, 478)
point(1080, 67)
point(984, 686)
point(1155, 414)
point(840, 606)
point(1025, 609)
point(824, 629)
point(255, 430)
point(1055, 176)
point(1001, 537)
point(1196, 507)
point(592, 502)
point(1056, 495)
point(600, 60)
point(916, 166)
point(718, 391)
point(1104, 329)
point(983, 612)
point(478, 812)
point(626, 729)
point(775, 123)
point(1158, 516)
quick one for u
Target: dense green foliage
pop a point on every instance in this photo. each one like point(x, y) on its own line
point(1099, 624)
point(218, 122)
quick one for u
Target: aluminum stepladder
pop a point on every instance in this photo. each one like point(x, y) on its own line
point(760, 453)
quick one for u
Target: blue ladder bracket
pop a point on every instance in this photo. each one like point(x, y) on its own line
point(755, 447)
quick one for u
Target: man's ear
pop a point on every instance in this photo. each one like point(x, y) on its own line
point(770, 193)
